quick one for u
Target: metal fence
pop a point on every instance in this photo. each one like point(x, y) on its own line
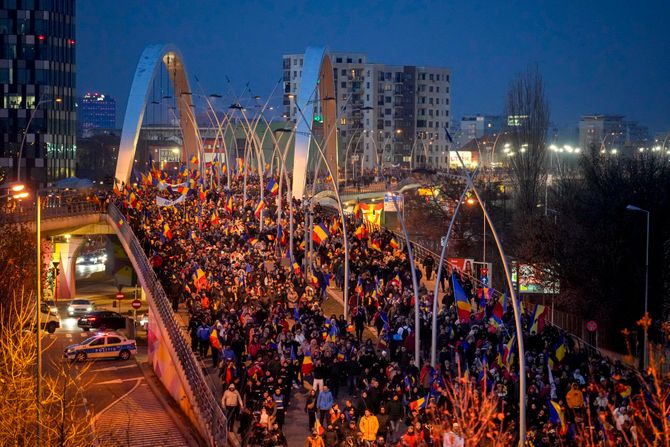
point(27, 214)
point(202, 399)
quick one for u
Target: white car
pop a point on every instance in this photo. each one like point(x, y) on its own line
point(103, 345)
point(80, 307)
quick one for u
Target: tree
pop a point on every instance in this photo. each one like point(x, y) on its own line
point(527, 109)
point(63, 421)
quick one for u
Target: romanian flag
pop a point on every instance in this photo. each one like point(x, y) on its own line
point(240, 165)
point(192, 235)
point(462, 303)
point(259, 209)
point(320, 233)
point(214, 220)
point(318, 427)
point(117, 192)
point(359, 287)
point(394, 245)
point(194, 159)
point(537, 322)
point(296, 268)
point(307, 365)
point(357, 211)
point(202, 194)
point(214, 340)
point(557, 417)
point(167, 233)
point(199, 278)
point(419, 404)
point(253, 241)
point(508, 350)
point(375, 245)
point(273, 187)
point(229, 205)
point(499, 309)
point(361, 232)
point(396, 281)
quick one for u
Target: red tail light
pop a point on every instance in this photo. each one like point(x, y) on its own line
point(91, 318)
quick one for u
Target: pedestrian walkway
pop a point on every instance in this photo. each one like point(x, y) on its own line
point(138, 419)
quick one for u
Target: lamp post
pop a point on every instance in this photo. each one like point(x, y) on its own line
point(25, 132)
point(646, 282)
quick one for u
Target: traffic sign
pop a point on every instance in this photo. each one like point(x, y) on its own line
point(591, 326)
point(120, 296)
point(136, 304)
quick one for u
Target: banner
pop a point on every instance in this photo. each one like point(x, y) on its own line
point(165, 202)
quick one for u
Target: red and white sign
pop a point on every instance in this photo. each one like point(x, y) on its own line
point(591, 326)
point(120, 296)
point(136, 304)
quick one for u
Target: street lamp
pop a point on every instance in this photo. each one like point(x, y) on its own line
point(646, 280)
point(25, 132)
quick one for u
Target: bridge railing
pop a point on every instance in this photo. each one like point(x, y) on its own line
point(201, 398)
point(27, 214)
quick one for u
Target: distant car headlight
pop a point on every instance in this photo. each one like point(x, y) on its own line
point(70, 309)
point(89, 308)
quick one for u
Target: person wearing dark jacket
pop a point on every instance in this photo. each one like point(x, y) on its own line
point(310, 409)
point(395, 412)
point(384, 422)
point(330, 438)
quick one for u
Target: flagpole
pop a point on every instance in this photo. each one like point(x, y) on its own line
point(517, 312)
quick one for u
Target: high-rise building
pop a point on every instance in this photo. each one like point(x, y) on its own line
point(391, 114)
point(477, 126)
point(95, 111)
point(37, 98)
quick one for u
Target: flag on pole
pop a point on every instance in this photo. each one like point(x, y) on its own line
point(296, 268)
point(318, 427)
point(419, 404)
point(361, 232)
point(320, 233)
point(557, 417)
point(259, 209)
point(199, 278)
point(194, 160)
point(167, 233)
point(537, 322)
point(214, 220)
point(229, 205)
point(272, 187)
point(462, 303)
point(394, 245)
point(375, 245)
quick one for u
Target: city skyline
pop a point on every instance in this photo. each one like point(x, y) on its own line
point(472, 40)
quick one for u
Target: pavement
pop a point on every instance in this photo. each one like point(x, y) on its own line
point(127, 403)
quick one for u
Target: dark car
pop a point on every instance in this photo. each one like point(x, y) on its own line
point(102, 319)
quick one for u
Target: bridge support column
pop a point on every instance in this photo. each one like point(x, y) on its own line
point(66, 254)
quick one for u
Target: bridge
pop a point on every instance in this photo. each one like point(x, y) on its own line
point(169, 355)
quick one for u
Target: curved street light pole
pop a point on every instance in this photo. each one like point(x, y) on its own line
point(515, 305)
point(25, 133)
point(438, 276)
point(341, 210)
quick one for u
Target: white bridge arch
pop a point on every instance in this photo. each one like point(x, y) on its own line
point(148, 66)
point(317, 72)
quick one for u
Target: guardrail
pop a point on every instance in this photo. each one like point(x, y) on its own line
point(212, 417)
point(27, 214)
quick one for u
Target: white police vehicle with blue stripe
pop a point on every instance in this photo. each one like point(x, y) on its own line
point(103, 345)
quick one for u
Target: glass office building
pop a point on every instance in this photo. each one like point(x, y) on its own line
point(37, 89)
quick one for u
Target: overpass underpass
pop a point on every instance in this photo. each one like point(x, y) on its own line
point(169, 355)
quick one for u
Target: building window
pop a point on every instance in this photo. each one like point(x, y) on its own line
point(343, 84)
point(349, 60)
point(338, 60)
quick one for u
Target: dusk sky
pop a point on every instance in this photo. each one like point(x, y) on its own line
point(596, 57)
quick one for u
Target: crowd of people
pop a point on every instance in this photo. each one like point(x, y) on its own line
point(256, 312)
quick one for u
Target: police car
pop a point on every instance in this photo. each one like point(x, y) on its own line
point(102, 345)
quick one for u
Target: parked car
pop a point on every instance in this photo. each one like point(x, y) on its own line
point(49, 319)
point(102, 319)
point(103, 345)
point(80, 307)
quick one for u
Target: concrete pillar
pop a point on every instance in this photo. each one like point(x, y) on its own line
point(66, 253)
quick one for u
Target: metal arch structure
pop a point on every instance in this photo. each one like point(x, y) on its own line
point(317, 73)
point(148, 66)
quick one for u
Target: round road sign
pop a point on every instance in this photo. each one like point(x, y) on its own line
point(136, 304)
point(120, 296)
point(591, 326)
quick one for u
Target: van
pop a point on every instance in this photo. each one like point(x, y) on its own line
point(49, 319)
